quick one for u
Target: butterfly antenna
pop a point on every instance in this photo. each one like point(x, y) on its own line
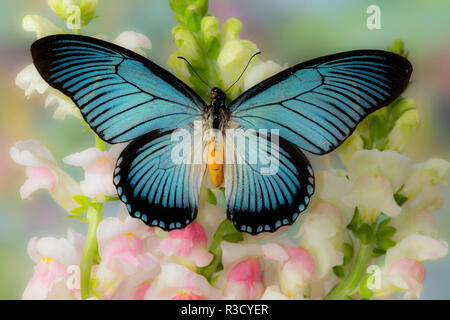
point(248, 63)
point(192, 68)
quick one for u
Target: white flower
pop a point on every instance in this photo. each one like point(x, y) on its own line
point(40, 25)
point(98, 167)
point(403, 271)
point(332, 189)
point(372, 194)
point(259, 71)
point(433, 171)
point(390, 164)
point(321, 234)
point(403, 130)
point(134, 41)
point(43, 172)
point(30, 80)
point(64, 106)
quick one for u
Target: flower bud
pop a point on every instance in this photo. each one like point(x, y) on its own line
point(403, 130)
point(398, 47)
point(400, 106)
point(349, 147)
point(65, 8)
point(88, 9)
point(232, 60)
point(211, 36)
point(202, 5)
point(231, 29)
point(177, 6)
point(180, 67)
point(186, 43)
point(193, 17)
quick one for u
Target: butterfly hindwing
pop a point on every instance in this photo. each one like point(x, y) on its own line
point(270, 190)
point(317, 104)
point(159, 178)
point(121, 94)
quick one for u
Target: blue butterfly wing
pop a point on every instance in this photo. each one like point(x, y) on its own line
point(267, 183)
point(121, 94)
point(159, 178)
point(317, 104)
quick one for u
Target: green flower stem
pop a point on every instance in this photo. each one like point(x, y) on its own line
point(99, 143)
point(215, 249)
point(94, 216)
point(77, 31)
point(344, 289)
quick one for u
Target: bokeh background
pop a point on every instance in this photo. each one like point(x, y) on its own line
point(286, 31)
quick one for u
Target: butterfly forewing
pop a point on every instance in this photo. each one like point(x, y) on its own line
point(120, 94)
point(317, 104)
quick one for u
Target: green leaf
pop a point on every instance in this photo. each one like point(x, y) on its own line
point(385, 244)
point(348, 253)
point(376, 252)
point(364, 291)
point(81, 200)
point(213, 280)
point(339, 272)
point(386, 232)
point(221, 199)
point(111, 199)
point(211, 197)
point(233, 237)
point(354, 224)
point(96, 206)
point(400, 199)
point(83, 219)
point(384, 223)
point(79, 210)
point(365, 234)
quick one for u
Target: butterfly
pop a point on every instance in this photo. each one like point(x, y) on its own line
point(125, 97)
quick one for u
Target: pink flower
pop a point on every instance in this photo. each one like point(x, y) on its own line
point(409, 275)
point(126, 262)
point(53, 276)
point(189, 242)
point(187, 296)
point(43, 172)
point(126, 253)
point(322, 235)
point(98, 167)
point(297, 273)
point(245, 280)
point(178, 282)
point(403, 271)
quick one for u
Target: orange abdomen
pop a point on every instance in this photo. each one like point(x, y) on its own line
point(215, 162)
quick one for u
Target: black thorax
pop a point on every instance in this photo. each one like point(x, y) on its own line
point(217, 109)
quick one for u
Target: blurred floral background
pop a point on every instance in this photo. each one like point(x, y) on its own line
point(287, 31)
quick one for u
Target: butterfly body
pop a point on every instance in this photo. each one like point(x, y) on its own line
point(268, 180)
